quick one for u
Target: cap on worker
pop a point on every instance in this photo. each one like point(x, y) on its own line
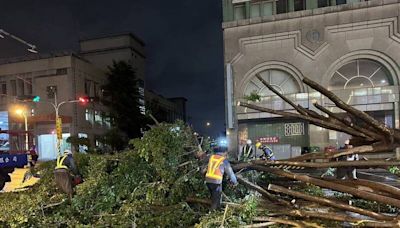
point(258, 145)
point(347, 142)
point(67, 152)
point(248, 141)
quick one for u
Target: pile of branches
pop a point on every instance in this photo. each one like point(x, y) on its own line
point(368, 136)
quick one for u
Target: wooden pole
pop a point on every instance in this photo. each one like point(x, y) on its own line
point(329, 202)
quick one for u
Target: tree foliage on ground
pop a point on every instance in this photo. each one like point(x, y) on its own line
point(146, 187)
point(122, 97)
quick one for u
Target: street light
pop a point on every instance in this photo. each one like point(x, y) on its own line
point(56, 107)
point(22, 113)
point(208, 124)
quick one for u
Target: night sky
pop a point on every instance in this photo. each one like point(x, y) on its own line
point(183, 39)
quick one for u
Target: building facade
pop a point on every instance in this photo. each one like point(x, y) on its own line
point(71, 76)
point(166, 109)
point(350, 47)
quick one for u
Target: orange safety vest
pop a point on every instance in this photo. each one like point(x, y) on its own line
point(214, 164)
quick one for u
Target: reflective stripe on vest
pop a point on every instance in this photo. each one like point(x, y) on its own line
point(247, 150)
point(213, 170)
point(60, 162)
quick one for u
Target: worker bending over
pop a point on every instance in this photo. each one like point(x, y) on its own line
point(218, 164)
point(65, 172)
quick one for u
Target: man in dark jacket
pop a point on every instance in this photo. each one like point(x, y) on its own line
point(218, 165)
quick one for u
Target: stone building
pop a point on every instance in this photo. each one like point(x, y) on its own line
point(350, 47)
point(71, 75)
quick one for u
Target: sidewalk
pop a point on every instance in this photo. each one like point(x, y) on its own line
point(16, 180)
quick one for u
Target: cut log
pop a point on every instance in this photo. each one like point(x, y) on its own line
point(332, 216)
point(353, 111)
point(315, 121)
point(330, 185)
point(262, 191)
point(395, 192)
point(328, 202)
point(370, 163)
point(356, 150)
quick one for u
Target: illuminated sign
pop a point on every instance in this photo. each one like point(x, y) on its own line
point(269, 139)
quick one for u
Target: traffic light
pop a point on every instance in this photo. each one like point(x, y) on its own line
point(83, 100)
point(36, 99)
point(29, 98)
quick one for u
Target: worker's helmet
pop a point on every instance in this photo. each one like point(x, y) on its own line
point(67, 152)
point(258, 145)
point(248, 142)
point(220, 149)
point(347, 142)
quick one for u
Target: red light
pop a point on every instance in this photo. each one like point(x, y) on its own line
point(83, 100)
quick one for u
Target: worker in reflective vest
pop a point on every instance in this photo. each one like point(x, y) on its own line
point(65, 167)
point(217, 166)
point(247, 152)
point(267, 153)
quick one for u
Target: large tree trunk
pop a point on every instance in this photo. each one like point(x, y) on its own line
point(329, 202)
point(387, 189)
point(330, 185)
point(373, 163)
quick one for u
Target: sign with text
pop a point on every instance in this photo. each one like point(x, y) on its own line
point(269, 139)
point(13, 160)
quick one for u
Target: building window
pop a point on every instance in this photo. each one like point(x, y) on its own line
point(299, 5)
point(255, 10)
point(89, 115)
point(97, 117)
point(4, 88)
point(281, 6)
point(280, 80)
point(28, 83)
point(88, 85)
point(361, 73)
point(96, 89)
point(240, 12)
point(323, 3)
point(293, 129)
point(13, 87)
point(267, 9)
point(340, 2)
point(20, 88)
point(61, 71)
point(260, 9)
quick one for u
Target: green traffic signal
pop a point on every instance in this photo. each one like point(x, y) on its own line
point(36, 99)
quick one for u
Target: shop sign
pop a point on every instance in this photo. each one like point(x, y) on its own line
point(269, 139)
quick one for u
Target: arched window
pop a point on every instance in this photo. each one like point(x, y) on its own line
point(280, 80)
point(360, 73)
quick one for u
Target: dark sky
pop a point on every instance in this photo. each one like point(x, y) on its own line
point(183, 42)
